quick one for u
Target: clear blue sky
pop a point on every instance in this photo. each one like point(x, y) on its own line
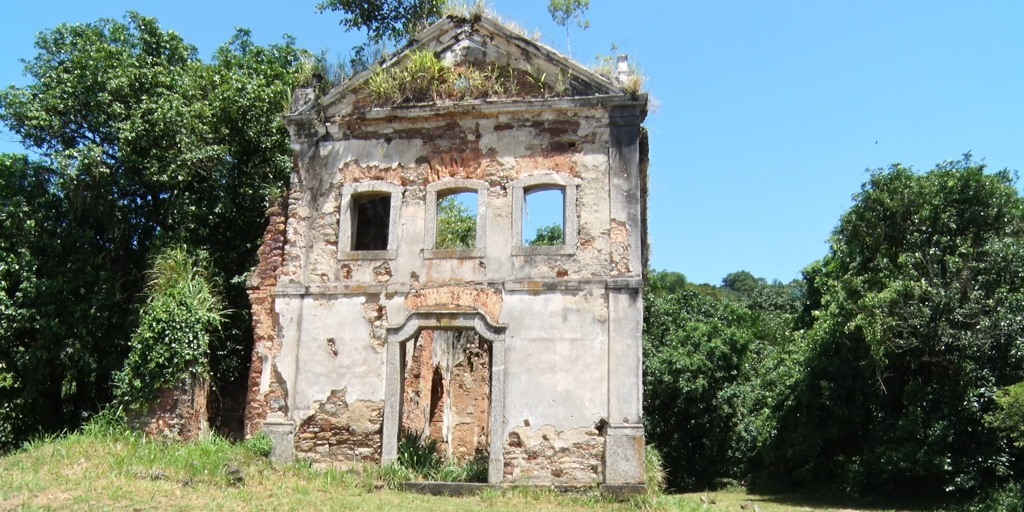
point(767, 113)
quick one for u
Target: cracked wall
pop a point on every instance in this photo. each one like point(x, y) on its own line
point(545, 455)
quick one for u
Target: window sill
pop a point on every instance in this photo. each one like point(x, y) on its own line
point(435, 254)
point(543, 250)
point(367, 255)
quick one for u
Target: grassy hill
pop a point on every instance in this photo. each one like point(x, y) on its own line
point(106, 467)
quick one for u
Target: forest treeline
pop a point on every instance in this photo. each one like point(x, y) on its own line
point(892, 369)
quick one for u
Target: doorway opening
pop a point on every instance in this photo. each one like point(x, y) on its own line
point(445, 390)
point(446, 399)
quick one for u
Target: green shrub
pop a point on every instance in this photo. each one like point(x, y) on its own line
point(392, 476)
point(418, 459)
point(108, 422)
point(260, 445)
point(1009, 415)
point(422, 78)
point(1008, 498)
point(474, 470)
point(181, 313)
point(654, 470)
point(419, 456)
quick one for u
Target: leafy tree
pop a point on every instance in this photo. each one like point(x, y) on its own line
point(456, 225)
point(743, 282)
point(1009, 413)
point(144, 144)
point(694, 349)
point(565, 12)
point(920, 323)
point(54, 278)
point(719, 364)
point(548, 235)
point(386, 22)
point(665, 281)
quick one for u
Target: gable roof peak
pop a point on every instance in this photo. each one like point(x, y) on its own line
point(482, 42)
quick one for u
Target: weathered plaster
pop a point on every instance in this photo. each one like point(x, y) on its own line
point(562, 324)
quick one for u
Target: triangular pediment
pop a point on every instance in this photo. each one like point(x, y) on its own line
point(482, 59)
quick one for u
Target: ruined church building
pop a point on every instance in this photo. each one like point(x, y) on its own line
point(369, 330)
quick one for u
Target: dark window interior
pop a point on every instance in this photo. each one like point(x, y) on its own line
point(371, 222)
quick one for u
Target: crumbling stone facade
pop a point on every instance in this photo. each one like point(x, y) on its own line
point(529, 354)
point(179, 412)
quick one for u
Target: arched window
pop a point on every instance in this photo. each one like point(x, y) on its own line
point(455, 219)
point(544, 214)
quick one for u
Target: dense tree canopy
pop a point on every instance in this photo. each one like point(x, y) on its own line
point(893, 369)
point(60, 315)
point(919, 325)
point(143, 145)
point(714, 364)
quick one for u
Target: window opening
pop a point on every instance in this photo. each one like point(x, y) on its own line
point(456, 221)
point(371, 222)
point(544, 217)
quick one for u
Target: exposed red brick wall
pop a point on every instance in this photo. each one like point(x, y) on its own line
point(487, 300)
point(265, 323)
point(470, 397)
point(419, 374)
point(179, 412)
point(448, 399)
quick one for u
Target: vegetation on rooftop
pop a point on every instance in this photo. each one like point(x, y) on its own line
point(423, 78)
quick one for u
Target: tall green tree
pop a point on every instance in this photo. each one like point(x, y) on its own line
point(144, 145)
point(743, 282)
point(456, 225)
point(919, 324)
point(694, 350)
point(567, 12)
point(387, 23)
point(715, 364)
point(552, 234)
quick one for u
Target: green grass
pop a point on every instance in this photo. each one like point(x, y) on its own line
point(737, 499)
point(106, 467)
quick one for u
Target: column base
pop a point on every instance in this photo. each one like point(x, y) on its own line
point(624, 459)
point(282, 433)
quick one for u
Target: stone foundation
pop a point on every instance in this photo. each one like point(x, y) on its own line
point(340, 433)
point(547, 456)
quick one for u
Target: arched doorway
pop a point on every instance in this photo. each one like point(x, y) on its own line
point(444, 320)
